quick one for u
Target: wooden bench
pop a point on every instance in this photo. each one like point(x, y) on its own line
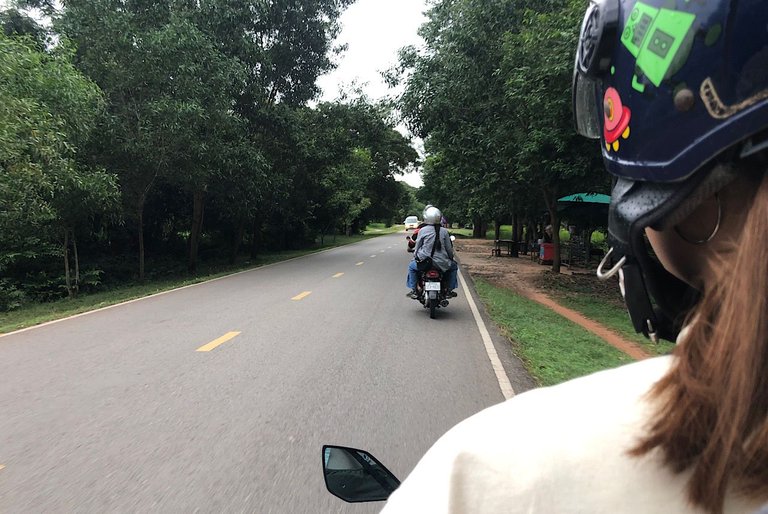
point(511, 247)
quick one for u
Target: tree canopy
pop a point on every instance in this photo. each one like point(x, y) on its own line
point(490, 94)
point(167, 129)
point(140, 135)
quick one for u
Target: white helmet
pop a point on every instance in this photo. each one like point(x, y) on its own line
point(432, 215)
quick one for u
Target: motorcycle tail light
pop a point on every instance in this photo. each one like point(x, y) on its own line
point(433, 274)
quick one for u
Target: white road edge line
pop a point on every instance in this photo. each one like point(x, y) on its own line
point(501, 375)
point(161, 293)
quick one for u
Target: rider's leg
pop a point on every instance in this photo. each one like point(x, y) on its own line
point(453, 273)
point(413, 278)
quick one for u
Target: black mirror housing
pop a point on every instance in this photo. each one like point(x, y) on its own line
point(356, 476)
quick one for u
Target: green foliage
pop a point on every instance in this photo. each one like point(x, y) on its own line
point(15, 22)
point(32, 314)
point(172, 127)
point(11, 298)
point(47, 109)
point(490, 93)
point(538, 66)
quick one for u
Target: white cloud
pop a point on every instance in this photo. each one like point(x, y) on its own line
point(374, 30)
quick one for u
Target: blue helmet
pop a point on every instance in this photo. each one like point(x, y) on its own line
point(676, 91)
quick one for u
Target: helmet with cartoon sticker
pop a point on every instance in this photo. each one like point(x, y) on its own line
point(690, 79)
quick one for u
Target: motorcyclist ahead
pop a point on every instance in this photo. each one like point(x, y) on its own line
point(433, 242)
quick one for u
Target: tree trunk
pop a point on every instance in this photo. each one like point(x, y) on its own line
point(77, 264)
point(255, 237)
point(198, 206)
point(498, 228)
point(67, 278)
point(237, 241)
point(515, 228)
point(588, 246)
point(283, 241)
point(551, 200)
point(140, 215)
point(477, 229)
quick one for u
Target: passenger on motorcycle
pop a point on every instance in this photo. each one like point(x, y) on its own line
point(680, 433)
point(442, 256)
point(415, 234)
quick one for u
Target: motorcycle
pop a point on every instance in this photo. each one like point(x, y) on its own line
point(356, 476)
point(432, 291)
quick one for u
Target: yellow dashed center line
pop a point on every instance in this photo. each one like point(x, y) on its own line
point(359, 264)
point(218, 342)
point(2, 466)
point(301, 296)
point(337, 275)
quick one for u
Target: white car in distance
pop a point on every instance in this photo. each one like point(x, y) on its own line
point(411, 222)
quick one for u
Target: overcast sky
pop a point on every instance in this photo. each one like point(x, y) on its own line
point(374, 30)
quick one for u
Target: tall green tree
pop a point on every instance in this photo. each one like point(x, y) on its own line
point(47, 110)
point(169, 98)
point(538, 66)
point(353, 154)
point(455, 99)
point(490, 93)
point(283, 44)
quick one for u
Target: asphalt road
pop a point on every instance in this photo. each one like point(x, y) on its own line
point(117, 411)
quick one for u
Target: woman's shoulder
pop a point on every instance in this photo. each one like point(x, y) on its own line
point(583, 406)
point(555, 449)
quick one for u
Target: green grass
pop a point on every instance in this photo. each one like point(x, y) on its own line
point(461, 232)
point(598, 237)
point(378, 229)
point(34, 314)
point(553, 349)
point(506, 232)
point(599, 301)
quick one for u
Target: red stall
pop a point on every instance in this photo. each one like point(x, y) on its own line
point(546, 253)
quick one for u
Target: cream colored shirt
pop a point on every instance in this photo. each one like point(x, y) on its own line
point(560, 449)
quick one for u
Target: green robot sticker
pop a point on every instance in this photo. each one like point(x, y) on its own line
point(660, 40)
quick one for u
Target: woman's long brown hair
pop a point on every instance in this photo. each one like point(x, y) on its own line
point(712, 414)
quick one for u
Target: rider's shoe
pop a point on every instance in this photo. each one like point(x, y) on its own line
point(413, 294)
point(452, 294)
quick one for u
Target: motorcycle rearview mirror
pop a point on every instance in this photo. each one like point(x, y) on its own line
point(356, 476)
point(453, 238)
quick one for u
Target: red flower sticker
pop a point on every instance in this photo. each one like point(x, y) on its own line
point(616, 118)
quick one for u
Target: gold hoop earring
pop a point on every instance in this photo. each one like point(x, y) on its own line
point(714, 231)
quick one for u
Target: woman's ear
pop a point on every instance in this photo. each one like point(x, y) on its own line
point(691, 249)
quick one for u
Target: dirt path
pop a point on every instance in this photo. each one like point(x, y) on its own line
point(520, 275)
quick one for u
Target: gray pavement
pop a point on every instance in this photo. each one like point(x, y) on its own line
point(116, 411)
